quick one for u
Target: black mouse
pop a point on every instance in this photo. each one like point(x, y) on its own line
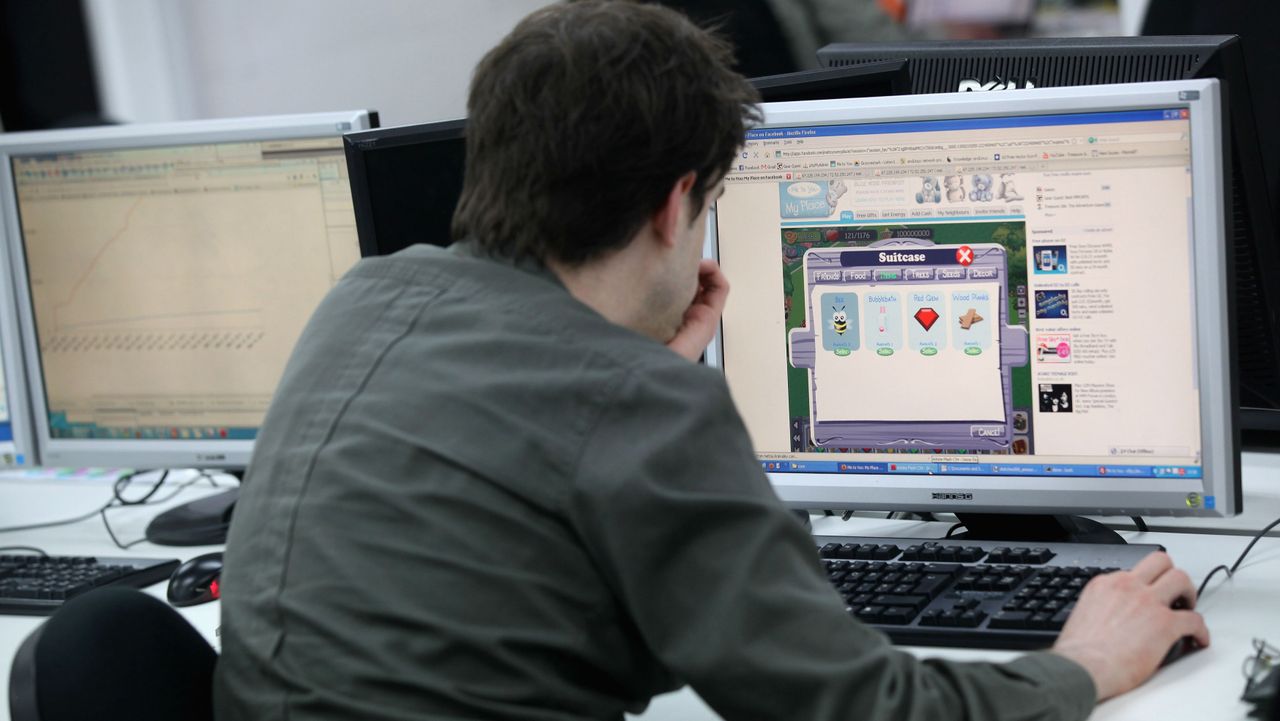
point(196, 581)
point(1184, 645)
point(1181, 647)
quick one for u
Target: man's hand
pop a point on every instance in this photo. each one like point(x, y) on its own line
point(703, 315)
point(1125, 623)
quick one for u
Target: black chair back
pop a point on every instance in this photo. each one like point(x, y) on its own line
point(113, 653)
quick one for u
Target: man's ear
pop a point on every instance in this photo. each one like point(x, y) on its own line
point(667, 219)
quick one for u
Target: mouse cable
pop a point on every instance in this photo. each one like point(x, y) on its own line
point(127, 480)
point(145, 501)
point(89, 514)
point(30, 549)
point(1232, 570)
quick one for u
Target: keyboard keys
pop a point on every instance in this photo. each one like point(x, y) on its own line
point(1010, 619)
point(930, 592)
point(37, 585)
point(943, 568)
point(894, 600)
point(932, 584)
point(898, 615)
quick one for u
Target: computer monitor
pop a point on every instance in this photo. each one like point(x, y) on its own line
point(164, 273)
point(865, 80)
point(1001, 303)
point(405, 184)
point(406, 180)
point(17, 446)
point(947, 66)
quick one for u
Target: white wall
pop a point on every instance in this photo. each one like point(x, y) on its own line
point(409, 59)
point(1132, 13)
point(181, 59)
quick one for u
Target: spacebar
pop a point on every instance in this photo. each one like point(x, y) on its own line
point(892, 600)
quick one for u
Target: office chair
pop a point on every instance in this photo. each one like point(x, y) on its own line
point(113, 653)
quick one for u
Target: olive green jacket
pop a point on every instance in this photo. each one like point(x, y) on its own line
point(475, 498)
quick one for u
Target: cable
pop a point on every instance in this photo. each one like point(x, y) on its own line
point(953, 529)
point(1235, 566)
point(1141, 524)
point(202, 475)
point(63, 522)
point(33, 549)
point(117, 501)
point(125, 481)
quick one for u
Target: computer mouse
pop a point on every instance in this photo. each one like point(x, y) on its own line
point(1181, 647)
point(1184, 645)
point(196, 581)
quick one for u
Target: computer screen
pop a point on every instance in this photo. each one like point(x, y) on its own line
point(405, 184)
point(992, 303)
point(865, 80)
point(17, 447)
point(406, 180)
point(165, 275)
point(1015, 65)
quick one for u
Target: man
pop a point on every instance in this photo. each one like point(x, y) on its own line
point(495, 484)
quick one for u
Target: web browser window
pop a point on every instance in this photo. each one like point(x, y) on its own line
point(170, 284)
point(981, 296)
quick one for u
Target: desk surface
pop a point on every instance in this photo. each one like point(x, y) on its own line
point(1203, 686)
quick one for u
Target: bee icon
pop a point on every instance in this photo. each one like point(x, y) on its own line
point(839, 320)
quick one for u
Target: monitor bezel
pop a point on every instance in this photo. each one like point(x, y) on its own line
point(356, 144)
point(1216, 375)
point(137, 453)
point(12, 347)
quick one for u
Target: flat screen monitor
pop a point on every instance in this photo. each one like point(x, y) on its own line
point(406, 180)
point(1254, 159)
point(405, 184)
point(164, 273)
point(17, 445)
point(865, 80)
point(1003, 303)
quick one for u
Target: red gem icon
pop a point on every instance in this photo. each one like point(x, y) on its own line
point(964, 255)
point(926, 317)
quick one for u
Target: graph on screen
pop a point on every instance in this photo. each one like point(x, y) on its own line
point(169, 285)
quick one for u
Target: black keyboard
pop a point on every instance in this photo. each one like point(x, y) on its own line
point(944, 592)
point(38, 585)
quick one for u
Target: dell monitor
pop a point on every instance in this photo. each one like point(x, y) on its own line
point(164, 273)
point(1009, 65)
point(1000, 303)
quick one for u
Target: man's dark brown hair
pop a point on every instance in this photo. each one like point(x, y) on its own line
point(581, 121)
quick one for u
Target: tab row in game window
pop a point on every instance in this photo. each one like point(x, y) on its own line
point(865, 275)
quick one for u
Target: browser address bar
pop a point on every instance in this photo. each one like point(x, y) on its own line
point(977, 145)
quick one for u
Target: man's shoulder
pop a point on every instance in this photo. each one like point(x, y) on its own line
point(503, 300)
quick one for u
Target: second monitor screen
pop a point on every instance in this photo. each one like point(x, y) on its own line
point(169, 285)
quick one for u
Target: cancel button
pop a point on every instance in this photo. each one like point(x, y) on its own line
point(986, 431)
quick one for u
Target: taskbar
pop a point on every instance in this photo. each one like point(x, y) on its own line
point(1091, 470)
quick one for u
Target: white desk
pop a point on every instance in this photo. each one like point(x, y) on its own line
point(1204, 686)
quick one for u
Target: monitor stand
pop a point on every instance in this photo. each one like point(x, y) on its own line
point(203, 522)
point(1034, 528)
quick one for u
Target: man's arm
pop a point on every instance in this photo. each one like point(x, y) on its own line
point(726, 588)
